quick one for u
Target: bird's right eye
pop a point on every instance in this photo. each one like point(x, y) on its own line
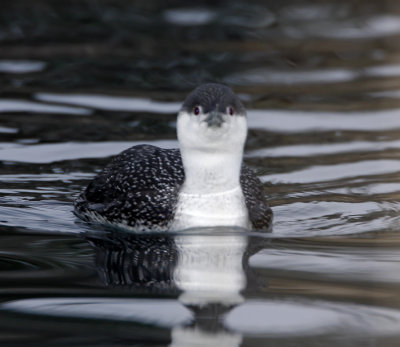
point(196, 110)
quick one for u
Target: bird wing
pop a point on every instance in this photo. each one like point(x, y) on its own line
point(139, 187)
point(260, 213)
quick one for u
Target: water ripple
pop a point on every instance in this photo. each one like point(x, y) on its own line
point(14, 105)
point(283, 318)
point(323, 173)
point(306, 150)
point(21, 66)
point(253, 318)
point(365, 264)
point(48, 153)
point(302, 121)
point(112, 103)
point(189, 16)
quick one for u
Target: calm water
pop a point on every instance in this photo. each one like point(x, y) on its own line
point(82, 81)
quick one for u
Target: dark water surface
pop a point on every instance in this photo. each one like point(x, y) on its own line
point(81, 81)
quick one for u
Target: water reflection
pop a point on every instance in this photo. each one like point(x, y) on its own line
point(135, 262)
point(206, 272)
point(205, 289)
point(21, 66)
point(210, 269)
point(16, 105)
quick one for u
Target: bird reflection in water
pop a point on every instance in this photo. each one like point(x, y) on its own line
point(206, 270)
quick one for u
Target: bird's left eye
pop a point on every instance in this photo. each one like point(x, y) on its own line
point(231, 111)
point(196, 110)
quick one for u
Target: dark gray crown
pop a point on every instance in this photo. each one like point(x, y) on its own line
point(213, 96)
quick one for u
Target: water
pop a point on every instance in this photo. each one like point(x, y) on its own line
point(83, 81)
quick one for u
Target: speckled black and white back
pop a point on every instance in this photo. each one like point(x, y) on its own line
point(139, 190)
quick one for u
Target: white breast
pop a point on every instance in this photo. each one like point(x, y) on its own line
point(226, 208)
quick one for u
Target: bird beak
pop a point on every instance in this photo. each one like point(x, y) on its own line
point(214, 119)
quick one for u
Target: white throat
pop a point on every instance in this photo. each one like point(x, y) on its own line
point(210, 172)
point(211, 194)
point(212, 157)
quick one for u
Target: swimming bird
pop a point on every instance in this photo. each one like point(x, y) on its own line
point(202, 184)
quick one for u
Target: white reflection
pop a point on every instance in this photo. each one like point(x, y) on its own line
point(210, 273)
point(196, 337)
point(365, 264)
point(189, 16)
point(302, 121)
point(210, 270)
point(7, 130)
point(14, 105)
point(383, 70)
point(111, 103)
point(163, 313)
point(269, 76)
point(281, 318)
point(21, 66)
point(302, 150)
point(303, 317)
point(48, 153)
point(324, 173)
point(206, 268)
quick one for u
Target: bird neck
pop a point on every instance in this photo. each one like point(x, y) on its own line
point(208, 172)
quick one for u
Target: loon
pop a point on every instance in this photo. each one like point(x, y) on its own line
point(202, 184)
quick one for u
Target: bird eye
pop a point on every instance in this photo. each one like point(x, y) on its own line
point(231, 111)
point(196, 111)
